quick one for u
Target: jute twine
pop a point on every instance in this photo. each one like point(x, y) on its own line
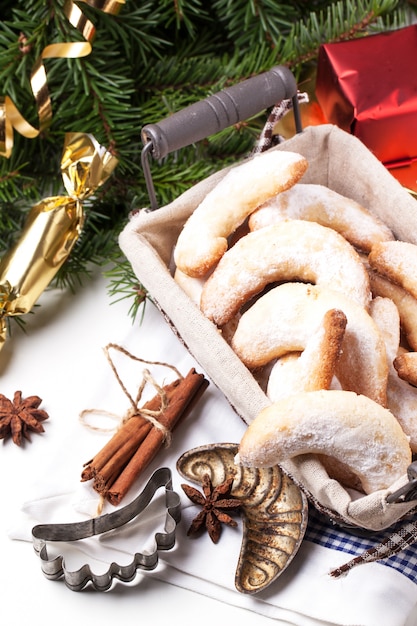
point(134, 410)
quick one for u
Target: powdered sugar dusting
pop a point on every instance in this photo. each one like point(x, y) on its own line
point(353, 429)
point(320, 204)
point(284, 319)
point(230, 202)
point(290, 250)
point(397, 260)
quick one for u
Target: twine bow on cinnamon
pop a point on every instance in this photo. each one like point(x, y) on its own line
point(142, 431)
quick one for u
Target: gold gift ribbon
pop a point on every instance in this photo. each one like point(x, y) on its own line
point(52, 228)
point(10, 116)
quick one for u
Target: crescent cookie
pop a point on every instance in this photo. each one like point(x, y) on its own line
point(284, 319)
point(292, 250)
point(397, 261)
point(353, 429)
point(314, 368)
point(191, 285)
point(405, 302)
point(203, 239)
point(402, 402)
point(317, 203)
point(401, 397)
point(406, 366)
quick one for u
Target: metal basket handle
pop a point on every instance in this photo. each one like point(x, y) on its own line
point(215, 113)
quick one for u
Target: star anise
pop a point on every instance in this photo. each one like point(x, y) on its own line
point(19, 417)
point(215, 501)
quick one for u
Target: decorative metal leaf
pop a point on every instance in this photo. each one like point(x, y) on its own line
point(274, 511)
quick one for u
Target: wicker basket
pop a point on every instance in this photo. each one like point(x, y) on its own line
point(342, 163)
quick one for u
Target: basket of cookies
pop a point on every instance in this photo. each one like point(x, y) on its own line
point(291, 279)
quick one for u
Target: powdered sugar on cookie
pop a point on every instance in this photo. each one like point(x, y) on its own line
point(355, 430)
point(293, 250)
point(317, 203)
point(203, 239)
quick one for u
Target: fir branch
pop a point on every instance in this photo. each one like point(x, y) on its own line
point(183, 14)
point(123, 285)
point(339, 21)
point(254, 22)
point(152, 59)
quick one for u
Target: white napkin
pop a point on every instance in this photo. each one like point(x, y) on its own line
point(304, 595)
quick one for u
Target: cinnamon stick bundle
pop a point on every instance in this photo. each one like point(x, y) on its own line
point(119, 463)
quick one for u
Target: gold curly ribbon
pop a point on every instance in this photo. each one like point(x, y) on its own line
point(10, 116)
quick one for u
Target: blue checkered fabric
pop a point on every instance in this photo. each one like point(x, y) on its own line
point(323, 532)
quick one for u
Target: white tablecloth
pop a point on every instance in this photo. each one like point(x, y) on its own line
point(61, 359)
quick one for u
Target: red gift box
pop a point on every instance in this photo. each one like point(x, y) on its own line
point(368, 87)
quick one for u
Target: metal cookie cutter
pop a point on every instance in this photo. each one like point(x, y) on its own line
point(407, 492)
point(55, 568)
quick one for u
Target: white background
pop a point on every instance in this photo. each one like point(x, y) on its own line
point(60, 358)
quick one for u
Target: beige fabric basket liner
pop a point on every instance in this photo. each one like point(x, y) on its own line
point(339, 161)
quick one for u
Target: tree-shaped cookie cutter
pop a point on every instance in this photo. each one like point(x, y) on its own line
point(55, 568)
